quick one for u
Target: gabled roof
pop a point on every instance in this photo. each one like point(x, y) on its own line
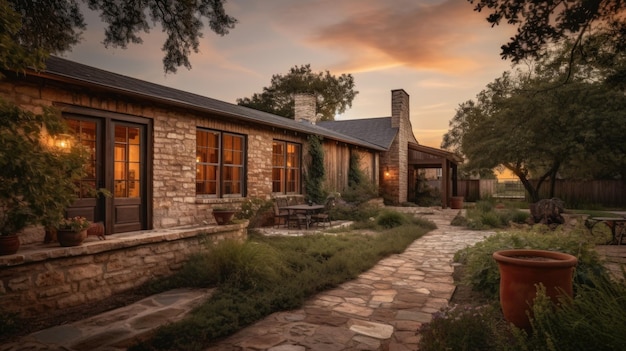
point(377, 131)
point(72, 72)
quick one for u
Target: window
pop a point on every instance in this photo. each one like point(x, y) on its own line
point(219, 163)
point(85, 133)
point(286, 167)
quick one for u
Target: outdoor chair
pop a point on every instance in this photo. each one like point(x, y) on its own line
point(324, 216)
point(280, 216)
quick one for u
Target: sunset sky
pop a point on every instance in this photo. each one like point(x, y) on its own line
point(440, 52)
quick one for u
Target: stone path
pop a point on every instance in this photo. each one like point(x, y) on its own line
point(380, 310)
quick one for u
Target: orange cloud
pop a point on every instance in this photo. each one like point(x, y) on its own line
point(442, 36)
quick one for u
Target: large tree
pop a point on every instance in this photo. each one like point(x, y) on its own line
point(333, 94)
point(539, 133)
point(542, 24)
point(32, 30)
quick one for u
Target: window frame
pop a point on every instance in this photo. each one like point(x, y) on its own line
point(221, 166)
point(283, 169)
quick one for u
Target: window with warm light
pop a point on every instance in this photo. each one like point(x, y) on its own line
point(286, 173)
point(220, 161)
point(85, 134)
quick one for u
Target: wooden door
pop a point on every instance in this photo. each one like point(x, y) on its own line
point(117, 162)
point(128, 177)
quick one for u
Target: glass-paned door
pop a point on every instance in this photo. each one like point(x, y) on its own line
point(128, 176)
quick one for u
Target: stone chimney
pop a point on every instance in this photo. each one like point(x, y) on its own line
point(399, 108)
point(305, 107)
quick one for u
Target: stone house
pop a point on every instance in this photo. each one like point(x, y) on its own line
point(169, 157)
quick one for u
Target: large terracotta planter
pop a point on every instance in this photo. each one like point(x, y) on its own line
point(521, 270)
point(70, 237)
point(456, 202)
point(223, 216)
point(9, 244)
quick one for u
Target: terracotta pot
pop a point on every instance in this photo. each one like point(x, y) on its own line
point(223, 216)
point(70, 237)
point(9, 244)
point(521, 270)
point(456, 202)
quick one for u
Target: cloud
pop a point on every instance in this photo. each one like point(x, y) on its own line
point(444, 36)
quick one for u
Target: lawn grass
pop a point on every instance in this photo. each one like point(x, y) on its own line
point(268, 274)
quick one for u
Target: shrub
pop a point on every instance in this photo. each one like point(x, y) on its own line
point(462, 328)
point(256, 211)
point(389, 219)
point(483, 274)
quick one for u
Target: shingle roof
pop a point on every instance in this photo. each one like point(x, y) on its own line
point(66, 70)
point(377, 131)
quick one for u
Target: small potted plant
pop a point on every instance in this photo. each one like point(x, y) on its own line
point(37, 180)
point(72, 231)
point(223, 215)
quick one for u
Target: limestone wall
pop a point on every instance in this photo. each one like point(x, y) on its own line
point(47, 277)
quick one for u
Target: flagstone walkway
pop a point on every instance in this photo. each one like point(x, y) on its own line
point(380, 310)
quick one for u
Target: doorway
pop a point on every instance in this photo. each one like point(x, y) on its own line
point(118, 154)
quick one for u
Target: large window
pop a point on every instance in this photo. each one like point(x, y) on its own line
point(286, 177)
point(220, 163)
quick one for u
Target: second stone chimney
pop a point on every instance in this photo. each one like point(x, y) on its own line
point(305, 105)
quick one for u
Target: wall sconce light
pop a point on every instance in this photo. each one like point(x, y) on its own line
point(62, 142)
point(386, 171)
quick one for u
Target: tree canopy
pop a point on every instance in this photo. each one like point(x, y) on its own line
point(31, 30)
point(540, 23)
point(333, 94)
point(539, 133)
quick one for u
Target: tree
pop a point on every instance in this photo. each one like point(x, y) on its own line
point(31, 31)
point(539, 134)
point(540, 23)
point(333, 94)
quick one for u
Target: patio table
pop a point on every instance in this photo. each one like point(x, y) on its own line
point(307, 209)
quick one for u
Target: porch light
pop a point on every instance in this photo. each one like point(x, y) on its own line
point(62, 142)
point(386, 171)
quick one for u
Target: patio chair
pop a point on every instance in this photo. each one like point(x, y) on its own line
point(280, 216)
point(324, 216)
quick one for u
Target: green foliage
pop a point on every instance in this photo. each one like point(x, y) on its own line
point(359, 213)
point(333, 94)
point(482, 270)
point(389, 219)
point(269, 274)
point(37, 182)
point(426, 195)
point(541, 24)
point(589, 321)
point(558, 128)
point(316, 172)
point(256, 211)
point(360, 193)
point(355, 174)
point(462, 329)
point(57, 26)
point(484, 215)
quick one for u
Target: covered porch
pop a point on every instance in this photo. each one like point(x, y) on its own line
point(425, 157)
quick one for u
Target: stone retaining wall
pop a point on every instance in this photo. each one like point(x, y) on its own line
point(46, 277)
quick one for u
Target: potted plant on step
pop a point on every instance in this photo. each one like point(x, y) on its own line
point(223, 215)
point(37, 179)
point(72, 231)
point(522, 270)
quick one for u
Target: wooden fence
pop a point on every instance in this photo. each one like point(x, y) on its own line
point(608, 193)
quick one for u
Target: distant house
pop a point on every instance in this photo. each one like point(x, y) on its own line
point(169, 156)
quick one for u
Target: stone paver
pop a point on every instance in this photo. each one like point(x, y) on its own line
point(380, 310)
